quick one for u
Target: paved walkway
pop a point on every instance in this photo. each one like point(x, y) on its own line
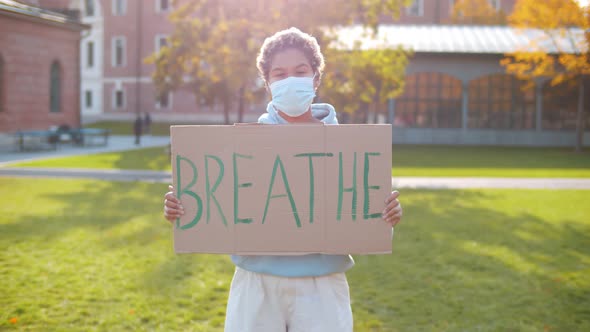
point(119, 143)
point(116, 143)
point(508, 183)
point(399, 182)
point(97, 174)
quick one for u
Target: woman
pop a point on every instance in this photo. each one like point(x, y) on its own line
point(291, 293)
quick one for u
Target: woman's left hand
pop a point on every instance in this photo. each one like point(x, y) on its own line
point(393, 209)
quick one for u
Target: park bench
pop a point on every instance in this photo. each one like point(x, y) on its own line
point(36, 140)
point(90, 136)
point(50, 139)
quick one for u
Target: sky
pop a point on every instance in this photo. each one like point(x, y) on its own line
point(583, 2)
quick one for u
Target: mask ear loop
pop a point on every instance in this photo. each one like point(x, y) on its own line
point(315, 87)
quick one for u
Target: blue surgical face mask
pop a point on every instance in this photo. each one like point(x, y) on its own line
point(293, 95)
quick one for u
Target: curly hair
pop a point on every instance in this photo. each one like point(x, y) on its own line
point(291, 38)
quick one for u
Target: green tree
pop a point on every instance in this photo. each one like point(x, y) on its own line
point(210, 54)
point(559, 52)
point(360, 82)
point(213, 48)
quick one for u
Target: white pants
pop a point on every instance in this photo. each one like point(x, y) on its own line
point(264, 303)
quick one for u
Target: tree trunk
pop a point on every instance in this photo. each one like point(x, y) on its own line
point(375, 114)
point(226, 107)
point(580, 119)
point(376, 110)
point(241, 105)
point(376, 104)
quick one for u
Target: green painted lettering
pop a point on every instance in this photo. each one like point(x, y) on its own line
point(278, 163)
point(239, 185)
point(342, 190)
point(186, 191)
point(211, 190)
point(311, 179)
point(367, 187)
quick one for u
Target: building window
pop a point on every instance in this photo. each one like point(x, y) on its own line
point(88, 98)
point(161, 41)
point(430, 100)
point(496, 4)
point(162, 6)
point(89, 6)
point(118, 52)
point(164, 101)
point(560, 106)
point(90, 54)
point(1, 84)
point(451, 6)
point(498, 102)
point(118, 99)
point(55, 87)
point(119, 7)
point(416, 8)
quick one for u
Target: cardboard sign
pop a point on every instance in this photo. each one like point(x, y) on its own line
point(282, 189)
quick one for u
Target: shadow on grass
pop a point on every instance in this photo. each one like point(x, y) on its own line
point(460, 267)
point(126, 128)
point(96, 204)
point(116, 231)
point(206, 276)
point(155, 158)
point(468, 260)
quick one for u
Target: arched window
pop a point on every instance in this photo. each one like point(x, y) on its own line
point(55, 87)
point(1, 84)
point(499, 102)
point(560, 106)
point(430, 100)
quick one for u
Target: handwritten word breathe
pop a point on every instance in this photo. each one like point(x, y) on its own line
point(278, 174)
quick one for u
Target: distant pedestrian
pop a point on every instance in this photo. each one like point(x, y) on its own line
point(137, 127)
point(147, 121)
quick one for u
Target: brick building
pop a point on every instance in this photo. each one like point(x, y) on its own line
point(39, 71)
point(438, 11)
point(456, 91)
point(116, 82)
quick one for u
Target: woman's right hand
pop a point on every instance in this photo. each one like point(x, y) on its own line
point(172, 207)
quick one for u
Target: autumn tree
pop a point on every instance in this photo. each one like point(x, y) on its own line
point(476, 12)
point(559, 47)
point(213, 47)
point(360, 81)
point(209, 53)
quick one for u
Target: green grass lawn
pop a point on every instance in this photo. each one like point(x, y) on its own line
point(126, 128)
point(155, 158)
point(416, 160)
point(81, 255)
point(406, 160)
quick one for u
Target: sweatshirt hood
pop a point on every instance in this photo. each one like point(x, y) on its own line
point(322, 111)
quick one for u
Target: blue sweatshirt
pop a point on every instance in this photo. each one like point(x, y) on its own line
point(312, 265)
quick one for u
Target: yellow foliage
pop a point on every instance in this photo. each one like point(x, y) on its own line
point(476, 12)
point(559, 20)
point(547, 14)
